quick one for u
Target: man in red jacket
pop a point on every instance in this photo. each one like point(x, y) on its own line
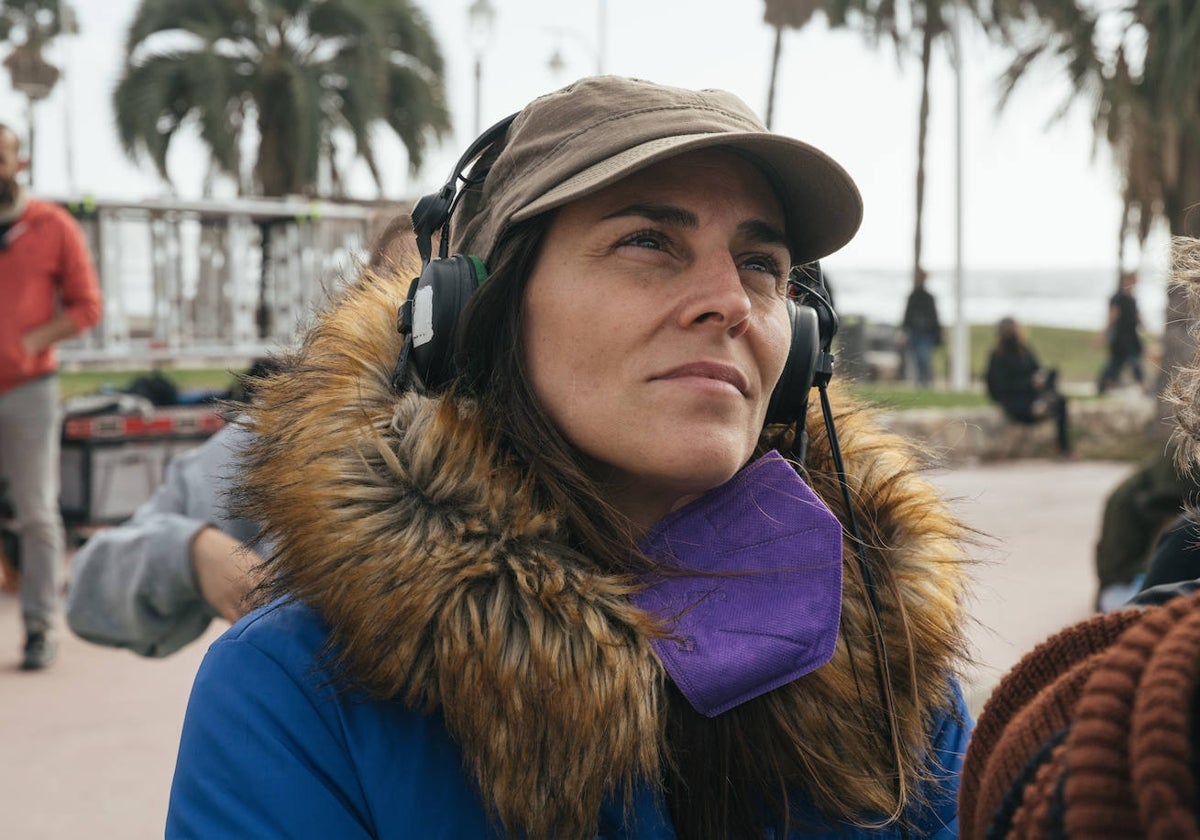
point(49, 292)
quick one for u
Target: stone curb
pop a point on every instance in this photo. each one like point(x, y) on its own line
point(1117, 427)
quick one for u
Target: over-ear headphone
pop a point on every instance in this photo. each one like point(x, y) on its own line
point(810, 360)
point(429, 316)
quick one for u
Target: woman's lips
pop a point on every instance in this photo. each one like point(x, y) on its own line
point(712, 371)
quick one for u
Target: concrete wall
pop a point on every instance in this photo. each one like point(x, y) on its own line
point(1116, 427)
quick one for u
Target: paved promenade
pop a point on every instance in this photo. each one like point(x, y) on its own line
point(87, 748)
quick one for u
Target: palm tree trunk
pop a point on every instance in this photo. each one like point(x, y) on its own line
point(922, 134)
point(774, 76)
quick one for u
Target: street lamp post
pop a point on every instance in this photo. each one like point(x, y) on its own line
point(557, 63)
point(35, 77)
point(960, 358)
point(601, 35)
point(481, 17)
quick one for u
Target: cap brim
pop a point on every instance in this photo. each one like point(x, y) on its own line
point(821, 202)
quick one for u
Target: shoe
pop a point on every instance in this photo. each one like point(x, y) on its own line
point(40, 650)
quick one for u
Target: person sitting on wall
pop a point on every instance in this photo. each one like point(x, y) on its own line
point(1016, 380)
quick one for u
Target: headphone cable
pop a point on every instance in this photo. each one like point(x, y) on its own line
point(883, 670)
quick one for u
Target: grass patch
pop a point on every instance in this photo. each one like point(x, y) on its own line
point(76, 383)
point(904, 395)
point(1078, 354)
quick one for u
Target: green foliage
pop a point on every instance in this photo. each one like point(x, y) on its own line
point(28, 26)
point(308, 73)
point(35, 23)
point(1137, 65)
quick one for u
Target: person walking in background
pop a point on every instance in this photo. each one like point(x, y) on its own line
point(1024, 390)
point(922, 331)
point(50, 292)
point(1122, 334)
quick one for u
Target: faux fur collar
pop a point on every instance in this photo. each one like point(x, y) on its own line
point(447, 583)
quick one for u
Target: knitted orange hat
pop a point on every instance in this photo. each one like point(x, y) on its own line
point(1092, 734)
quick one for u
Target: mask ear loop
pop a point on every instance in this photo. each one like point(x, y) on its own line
point(808, 286)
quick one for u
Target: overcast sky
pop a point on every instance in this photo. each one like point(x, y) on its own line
point(1034, 196)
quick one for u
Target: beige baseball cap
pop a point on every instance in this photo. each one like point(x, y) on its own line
point(596, 131)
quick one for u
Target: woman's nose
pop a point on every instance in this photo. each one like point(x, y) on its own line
point(716, 295)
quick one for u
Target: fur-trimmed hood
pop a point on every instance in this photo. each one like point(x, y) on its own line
point(447, 582)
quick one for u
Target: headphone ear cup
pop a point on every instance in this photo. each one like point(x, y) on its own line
point(442, 292)
point(790, 397)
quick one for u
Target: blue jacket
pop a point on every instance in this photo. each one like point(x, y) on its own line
point(307, 760)
point(445, 575)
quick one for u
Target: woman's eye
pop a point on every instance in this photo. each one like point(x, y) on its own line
point(768, 265)
point(649, 239)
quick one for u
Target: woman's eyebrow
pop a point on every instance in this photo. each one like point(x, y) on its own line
point(762, 232)
point(755, 230)
point(663, 213)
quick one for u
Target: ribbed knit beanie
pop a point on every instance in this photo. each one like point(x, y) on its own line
point(1092, 735)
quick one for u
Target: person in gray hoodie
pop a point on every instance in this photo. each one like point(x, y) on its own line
point(155, 582)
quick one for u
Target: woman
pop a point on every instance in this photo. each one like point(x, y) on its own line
point(572, 594)
point(1025, 391)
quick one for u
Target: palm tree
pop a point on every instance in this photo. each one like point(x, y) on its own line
point(1138, 66)
point(785, 14)
point(904, 23)
point(305, 72)
point(29, 25)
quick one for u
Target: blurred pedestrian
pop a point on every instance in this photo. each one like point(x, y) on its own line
point(1136, 512)
point(1122, 335)
point(1025, 391)
point(49, 292)
point(922, 330)
point(1176, 555)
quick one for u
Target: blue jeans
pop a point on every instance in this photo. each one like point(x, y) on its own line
point(1111, 374)
point(920, 347)
point(30, 425)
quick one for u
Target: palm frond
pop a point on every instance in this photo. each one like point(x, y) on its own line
point(210, 19)
point(303, 68)
point(416, 111)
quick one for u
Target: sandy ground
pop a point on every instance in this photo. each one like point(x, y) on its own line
point(87, 748)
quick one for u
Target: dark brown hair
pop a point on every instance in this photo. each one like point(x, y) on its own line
point(491, 356)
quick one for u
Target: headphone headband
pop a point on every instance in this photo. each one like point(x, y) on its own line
point(434, 210)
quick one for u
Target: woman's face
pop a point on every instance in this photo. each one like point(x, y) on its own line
point(656, 326)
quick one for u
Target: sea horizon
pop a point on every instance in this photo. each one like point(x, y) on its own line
point(1075, 298)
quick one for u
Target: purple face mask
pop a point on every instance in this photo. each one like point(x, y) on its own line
point(759, 596)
